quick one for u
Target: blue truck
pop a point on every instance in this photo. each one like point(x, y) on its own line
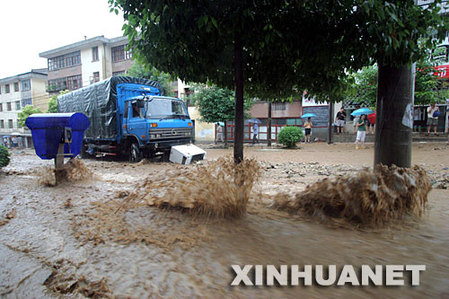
point(130, 118)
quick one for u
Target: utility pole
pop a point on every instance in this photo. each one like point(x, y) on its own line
point(331, 118)
point(269, 125)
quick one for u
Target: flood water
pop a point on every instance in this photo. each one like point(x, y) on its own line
point(84, 238)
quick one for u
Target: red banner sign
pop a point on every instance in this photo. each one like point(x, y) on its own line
point(442, 71)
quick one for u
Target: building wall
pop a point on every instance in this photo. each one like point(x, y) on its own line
point(182, 89)
point(204, 132)
point(65, 72)
point(107, 60)
point(39, 94)
point(104, 65)
point(88, 66)
point(120, 66)
point(10, 98)
point(260, 110)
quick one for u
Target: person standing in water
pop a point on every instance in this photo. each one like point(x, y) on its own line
point(308, 129)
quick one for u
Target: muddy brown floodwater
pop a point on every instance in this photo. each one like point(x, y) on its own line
point(90, 238)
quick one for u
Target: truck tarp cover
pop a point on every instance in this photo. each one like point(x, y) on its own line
point(99, 103)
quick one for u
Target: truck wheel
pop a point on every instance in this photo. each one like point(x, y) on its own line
point(135, 154)
point(84, 154)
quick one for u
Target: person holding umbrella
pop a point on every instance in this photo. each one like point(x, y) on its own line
point(308, 129)
point(361, 132)
point(255, 132)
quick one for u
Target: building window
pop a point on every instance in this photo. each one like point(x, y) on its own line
point(118, 73)
point(73, 59)
point(95, 77)
point(74, 82)
point(2, 124)
point(95, 54)
point(64, 61)
point(17, 105)
point(8, 106)
point(56, 63)
point(16, 86)
point(120, 53)
point(10, 124)
point(57, 84)
point(7, 88)
point(279, 121)
point(1, 107)
point(26, 102)
point(279, 106)
point(26, 85)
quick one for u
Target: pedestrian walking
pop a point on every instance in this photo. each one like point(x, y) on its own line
point(255, 133)
point(361, 132)
point(219, 136)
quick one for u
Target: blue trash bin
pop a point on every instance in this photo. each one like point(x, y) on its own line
point(47, 130)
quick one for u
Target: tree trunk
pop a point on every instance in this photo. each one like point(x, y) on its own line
point(331, 121)
point(238, 119)
point(269, 125)
point(394, 122)
point(225, 134)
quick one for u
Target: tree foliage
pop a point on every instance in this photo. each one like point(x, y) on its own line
point(53, 102)
point(427, 85)
point(399, 32)
point(150, 72)
point(215, 104)
point(288, 46)
point(4, 156)
point(27, 111)
point(275, 49)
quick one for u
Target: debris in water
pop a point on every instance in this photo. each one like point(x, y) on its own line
point(62, 283)
point(216, 188)
point(133, 222)
point(68, 203)
point(371, 198)
point(8, 216)
point(72, 171)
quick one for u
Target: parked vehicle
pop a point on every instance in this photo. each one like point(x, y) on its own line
point(129, 117)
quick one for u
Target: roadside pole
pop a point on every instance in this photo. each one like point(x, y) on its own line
point(331, 117)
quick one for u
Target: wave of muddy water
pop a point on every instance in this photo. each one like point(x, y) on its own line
point(46, 252)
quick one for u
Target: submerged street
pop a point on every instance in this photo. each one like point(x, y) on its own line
point(91, 238)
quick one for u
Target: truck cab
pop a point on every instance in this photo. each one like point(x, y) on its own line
point(152, 124)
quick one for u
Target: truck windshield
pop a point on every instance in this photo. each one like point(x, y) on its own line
point(166, 108)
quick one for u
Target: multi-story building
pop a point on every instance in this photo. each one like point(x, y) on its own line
point(17, 92)
point(83, 63)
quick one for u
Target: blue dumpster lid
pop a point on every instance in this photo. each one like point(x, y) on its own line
point(77, 121)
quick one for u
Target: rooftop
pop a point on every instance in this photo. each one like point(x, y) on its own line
point(94, 41)
point(33, 74)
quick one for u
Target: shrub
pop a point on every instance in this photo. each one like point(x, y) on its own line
point(289, 136)
point(4, 156)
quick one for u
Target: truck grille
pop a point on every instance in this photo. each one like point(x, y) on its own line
point(170, 133)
